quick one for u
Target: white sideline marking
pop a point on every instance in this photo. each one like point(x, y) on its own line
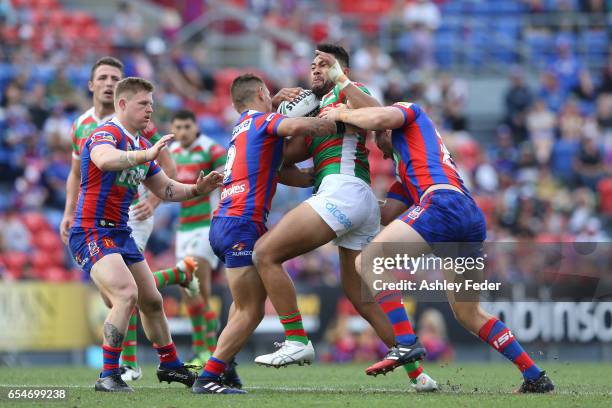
point(326, 390)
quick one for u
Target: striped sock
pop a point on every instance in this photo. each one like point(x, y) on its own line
point(414, 370)
point(198, 326)
point(501, 339)
point(213, 369)
point(294, 330)
point(168, 276)
point(128, 357)
point(111, 360)
point(211, 329)
point(168, 357)
point(391, 304)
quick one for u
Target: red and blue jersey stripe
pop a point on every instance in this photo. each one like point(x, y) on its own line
point(254, 157)
point(105, 196)
point(420, 156)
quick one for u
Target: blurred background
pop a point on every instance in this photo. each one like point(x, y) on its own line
point(521, 91)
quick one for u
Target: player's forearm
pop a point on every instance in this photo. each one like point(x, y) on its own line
point(313, 127)
point(371, 118)
point(295, 150)
point(293, 176)
point(167, 164)
point(72, 191)
point(111, 159)
point(359, 99)
point(174, 191)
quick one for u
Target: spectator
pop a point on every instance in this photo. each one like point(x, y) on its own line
point(422, 19)
point(129, 25)
point(589, 163)
point(15, 235)
point(432, 334)
point(518, 98)
point(541, 124)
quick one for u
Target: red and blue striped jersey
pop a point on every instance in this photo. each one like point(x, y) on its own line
point(421, 159)
point(254, 157)
point(105, 196)
point(398, 192)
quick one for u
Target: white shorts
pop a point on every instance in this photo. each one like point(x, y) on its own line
point(141, 231)
point(348, 205)
point(195, 243)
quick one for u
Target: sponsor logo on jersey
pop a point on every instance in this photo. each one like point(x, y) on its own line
point(234, 189)
point(338, 214)
point(108, 242)
point(238, 250)
point(103, 136)
point(242, 127)
point(93, 248)
point(415, 212)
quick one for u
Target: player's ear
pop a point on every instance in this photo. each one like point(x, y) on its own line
point(346, 71)
point(90, 86)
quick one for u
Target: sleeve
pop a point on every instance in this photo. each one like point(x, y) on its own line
point(154, 168)
point(397, 192)
point(103, 136)
point(218, 156)
point(409, 110)
point(269, 123)
point(76, 151)
point(151, 133)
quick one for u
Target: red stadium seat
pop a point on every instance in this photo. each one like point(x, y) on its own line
point(55, 274)
point(15, 260)
point(605, 196)
point(35, 222)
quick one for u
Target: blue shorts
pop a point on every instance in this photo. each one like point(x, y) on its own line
point(233, 239)
point(89, 245)
point(447, 217)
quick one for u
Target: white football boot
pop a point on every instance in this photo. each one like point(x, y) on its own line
point(130, 373)
point(425, 383)
point(289, 352)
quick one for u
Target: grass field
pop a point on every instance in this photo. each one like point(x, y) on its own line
point(465, 385)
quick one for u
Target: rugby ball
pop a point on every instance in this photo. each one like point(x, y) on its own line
point(303, 105)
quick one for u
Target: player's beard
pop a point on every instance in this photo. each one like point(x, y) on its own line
point(323, 89)
point(108, 106)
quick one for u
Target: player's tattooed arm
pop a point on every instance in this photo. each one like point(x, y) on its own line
point(387, 117)
point(312, 127)
point(169, 191)
point(112, 335)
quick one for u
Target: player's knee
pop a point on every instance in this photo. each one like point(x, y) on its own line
point(152, 304)
point(358, 264)
point(124, 296)
point(262, 256)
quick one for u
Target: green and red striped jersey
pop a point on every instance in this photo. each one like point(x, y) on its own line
point(339, 154)
point(203, 155)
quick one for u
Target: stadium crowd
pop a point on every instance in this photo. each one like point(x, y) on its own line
point(543, 174)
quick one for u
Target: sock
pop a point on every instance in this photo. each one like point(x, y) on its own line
point(128, 357)
point(168, 357)
point(196, 314)
point(414, 370)
point(391, 304)
point(211, 329)
point(168, 276)
point(111, 360)
point(501, 339)
point(213, 369)
point(294, 330)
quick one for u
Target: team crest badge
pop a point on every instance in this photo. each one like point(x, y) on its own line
point(415, 212)
point(93, 248)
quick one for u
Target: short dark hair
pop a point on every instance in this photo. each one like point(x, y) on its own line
point(183, 114)
point(110, 61)
point(132, 85)
point(244, 88)
point(337, 51)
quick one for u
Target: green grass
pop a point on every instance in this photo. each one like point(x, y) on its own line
point(465, 385)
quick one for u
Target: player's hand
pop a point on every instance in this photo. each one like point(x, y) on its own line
point(334, 114)
point(161, 144)
point(208, 183)
point(334, 72)
point(285, 94)
point(65, 228)
point(143, 210)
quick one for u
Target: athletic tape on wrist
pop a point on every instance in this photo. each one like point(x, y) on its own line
point(344, 84)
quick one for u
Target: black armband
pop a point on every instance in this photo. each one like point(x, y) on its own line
point(340, 128)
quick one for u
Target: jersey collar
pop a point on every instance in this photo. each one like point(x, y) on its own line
point(102, 120)
point(133, 138)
